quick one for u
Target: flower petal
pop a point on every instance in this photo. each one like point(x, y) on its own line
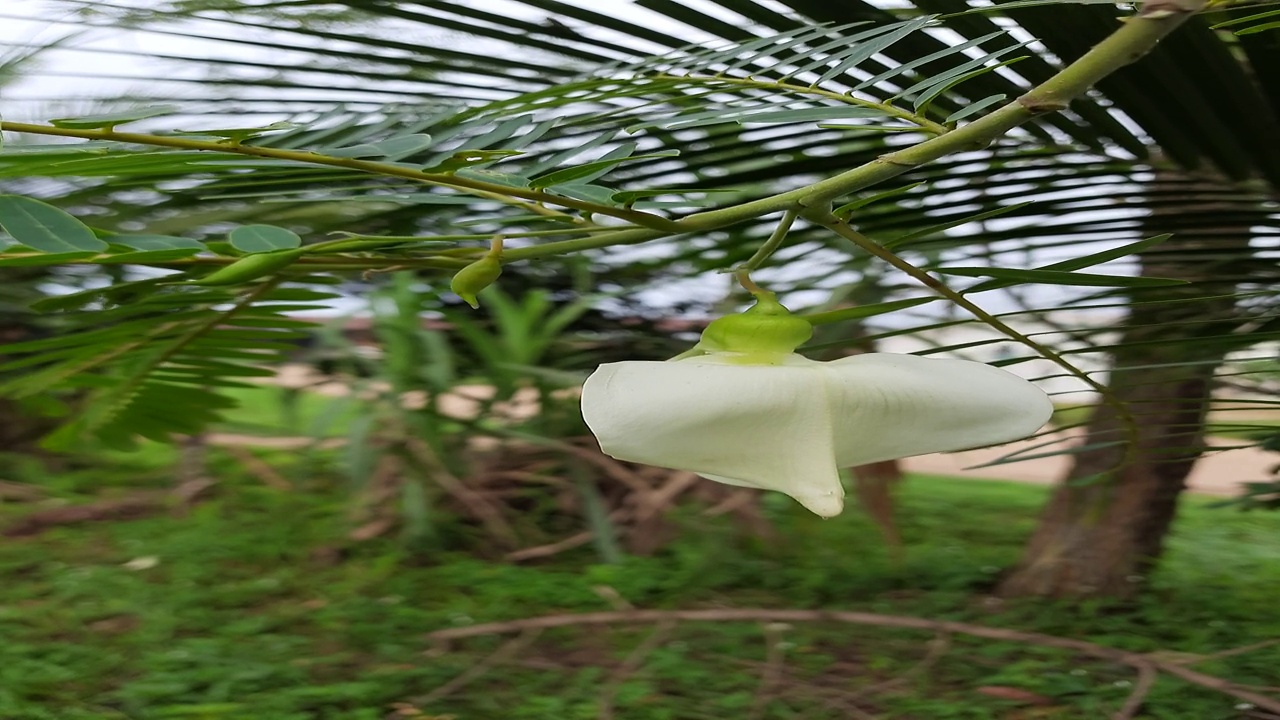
point(757, 426)
point(893, 406)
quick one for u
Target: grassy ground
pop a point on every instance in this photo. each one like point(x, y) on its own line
point(247, 614)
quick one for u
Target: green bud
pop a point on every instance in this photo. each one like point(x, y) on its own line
point(760, 334)
point(251, 267)
point(476, 277)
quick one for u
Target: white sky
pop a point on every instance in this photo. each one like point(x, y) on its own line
point(121, 62)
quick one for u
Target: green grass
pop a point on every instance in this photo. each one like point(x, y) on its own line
point(244, 618)
point(277, 410)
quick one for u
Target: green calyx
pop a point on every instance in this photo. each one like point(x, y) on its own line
point(761, 335)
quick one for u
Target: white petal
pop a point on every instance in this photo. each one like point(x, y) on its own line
point(759, 426)
point(892, 406)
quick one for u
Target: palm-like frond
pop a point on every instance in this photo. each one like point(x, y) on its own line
point(147, 359)
point(761, 96)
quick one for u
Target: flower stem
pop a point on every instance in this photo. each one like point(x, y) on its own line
point(774, 242)
point(744, 279)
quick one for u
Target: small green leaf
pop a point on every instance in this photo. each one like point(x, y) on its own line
point(45, 228)
point(352, 151)
point(392, 147)
point(863, 311)
point(1258, 28)
point(263, 238)
point(926, 98)
point(847, 208)
point(1056, 277)
point(467, 158)
point(404, 145)
point(108, 121)
point(589, 171)
point(1246, 19)
point(1080, 263)
point(238, 135)
point(155, 242)
point(491, 176)
point(973, 109)
point(588, 193)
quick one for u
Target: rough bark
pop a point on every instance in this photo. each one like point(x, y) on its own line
point(1102, 537)
point(874, 486)
point(1105, 525)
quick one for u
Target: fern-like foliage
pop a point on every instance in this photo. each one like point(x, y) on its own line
point(610, 129)
point(147, 359)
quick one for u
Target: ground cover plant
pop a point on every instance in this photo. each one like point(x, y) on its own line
point(240, 608)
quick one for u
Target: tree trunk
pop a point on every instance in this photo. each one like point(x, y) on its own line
point(874, 486)
point(1102, 537)
point(1104, 528)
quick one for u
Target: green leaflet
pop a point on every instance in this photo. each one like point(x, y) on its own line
point(45, 228)
point(263, 239)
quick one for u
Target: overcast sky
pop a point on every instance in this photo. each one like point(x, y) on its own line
point(108, 62)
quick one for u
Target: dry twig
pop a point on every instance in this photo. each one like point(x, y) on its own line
point(771, 677)
point(1147, 676)
point(139, 505)
point(1233, 651)
point(613, 469)
point(573, 541)
point(505, 652)
point(1082, 647)
point(259, 468)
point(21, 492)
point(483, 510)
point(632, 663)
point(653, 503)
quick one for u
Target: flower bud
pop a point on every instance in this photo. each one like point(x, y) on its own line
point(251, 267)
point(476, 277)
point(767, 330)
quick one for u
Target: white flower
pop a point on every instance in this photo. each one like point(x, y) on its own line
point(789, 425)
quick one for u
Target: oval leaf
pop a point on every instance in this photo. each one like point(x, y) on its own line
point(93, 122)
point(156, 242)
point(581, 174)
point(43, 227)
point(403, 145)
point(865, 311)
point(396, 147)
point(587, 193)
point(1057, 277)
point(263, 238)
